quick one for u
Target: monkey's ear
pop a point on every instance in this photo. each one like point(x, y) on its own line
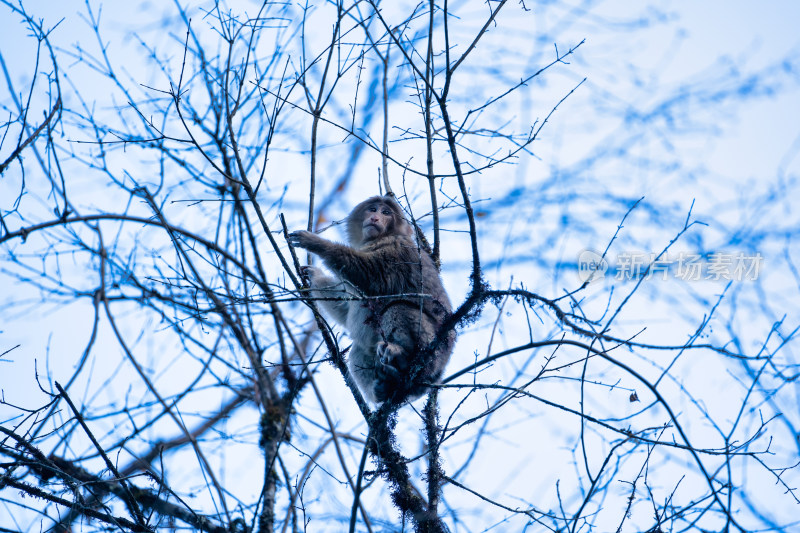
point(405, 228)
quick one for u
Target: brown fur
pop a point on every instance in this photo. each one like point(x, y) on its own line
point(388, 294)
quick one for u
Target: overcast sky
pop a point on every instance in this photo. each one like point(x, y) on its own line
point(730, 153)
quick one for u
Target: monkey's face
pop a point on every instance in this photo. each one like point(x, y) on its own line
point(378, 220)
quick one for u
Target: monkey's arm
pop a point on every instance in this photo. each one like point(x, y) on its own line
point(362, 269)
point(332, 293)
point(317, 245)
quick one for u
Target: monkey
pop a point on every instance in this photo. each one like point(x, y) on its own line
point(386, 291)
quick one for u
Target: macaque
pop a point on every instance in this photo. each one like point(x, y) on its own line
point(387, 292)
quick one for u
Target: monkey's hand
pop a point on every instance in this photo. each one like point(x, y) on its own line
point(391, 370)
point(391, 359)
point(305, 239)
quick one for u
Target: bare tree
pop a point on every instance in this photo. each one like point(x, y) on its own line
point(623, 363)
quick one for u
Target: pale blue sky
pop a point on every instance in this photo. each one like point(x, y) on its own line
point(723, 151)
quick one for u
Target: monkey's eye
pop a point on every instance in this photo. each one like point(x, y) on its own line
point(372, 209)
point(386, 212)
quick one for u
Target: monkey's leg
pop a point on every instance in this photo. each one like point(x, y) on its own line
point(333, 294)
point(362, 364)
point(401, 368)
